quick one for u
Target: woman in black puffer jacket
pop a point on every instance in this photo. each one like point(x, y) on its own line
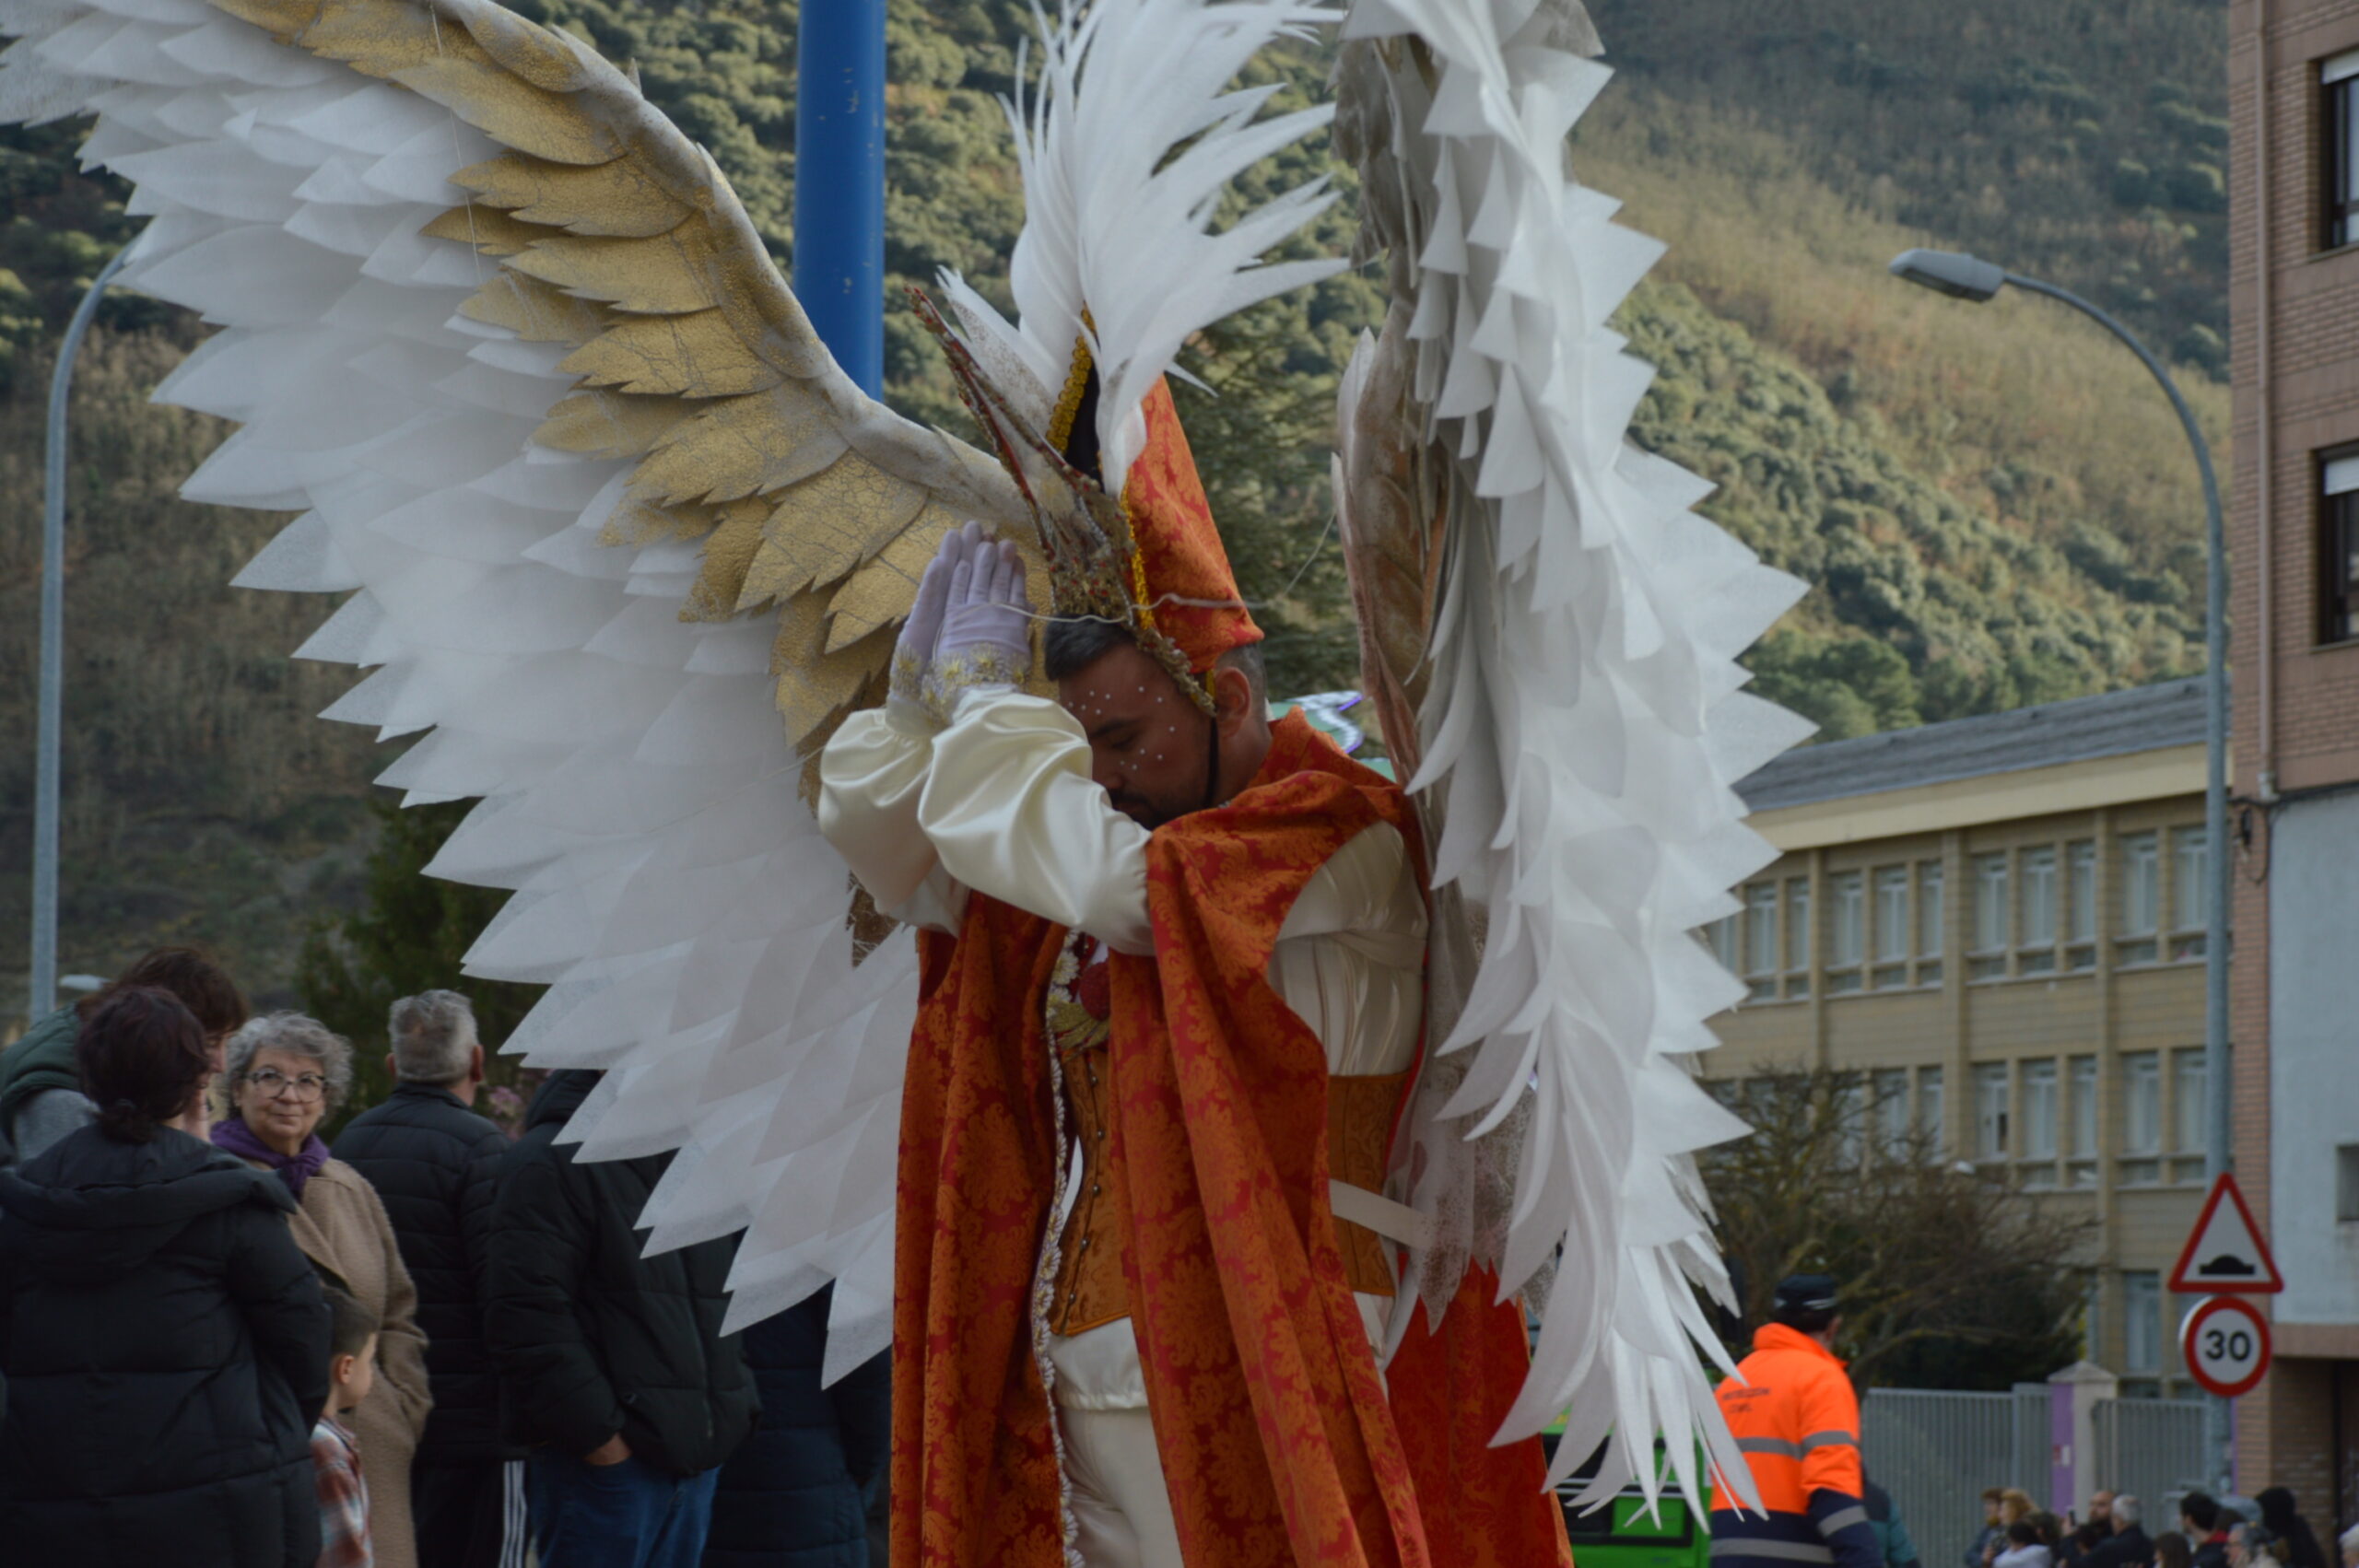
point(796, 1495)
point(164, 1340)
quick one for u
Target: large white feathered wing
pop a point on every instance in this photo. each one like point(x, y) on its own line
point(505, 341)
point(1555, 635)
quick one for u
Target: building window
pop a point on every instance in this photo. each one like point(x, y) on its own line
point(2081, 1114)
point(1931, 933)
point(1851, 1122)
point(1891, 1087)
point(2141, 1323)
point(2141, 1117)
point(2142, 896)
point(2190, 891)
point(1798, 936)
point(1848, 892)
point(1891, 927)
point(2339, 539)
point(2190, 1078)
point(2340, 76)
point(1989, 918)
point(1720, 941)
point(1761, 941)
point(1929, 1110)
point(1991, 1111)
point(2346, 1183)
point(2039, 1122)
point(2038, 955)
point(2081, 905)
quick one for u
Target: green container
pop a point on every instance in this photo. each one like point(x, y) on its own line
point(1626, 1533)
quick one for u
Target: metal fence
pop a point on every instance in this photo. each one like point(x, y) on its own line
point(2152, 1449)
point(1935, 1451)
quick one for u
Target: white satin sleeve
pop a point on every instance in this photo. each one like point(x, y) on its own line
point(1350, 959)
point(870, 777)
point(1009, 808)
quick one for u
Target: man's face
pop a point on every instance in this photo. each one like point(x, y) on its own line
point(2101, 1506)
point(1150, 745)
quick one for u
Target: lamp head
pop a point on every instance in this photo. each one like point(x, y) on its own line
point(1953, 273)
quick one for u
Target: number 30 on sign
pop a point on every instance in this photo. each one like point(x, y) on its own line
point(2225, 1344)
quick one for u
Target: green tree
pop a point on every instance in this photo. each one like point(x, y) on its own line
point(411, 935)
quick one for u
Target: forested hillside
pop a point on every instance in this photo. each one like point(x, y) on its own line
point(1994, 507)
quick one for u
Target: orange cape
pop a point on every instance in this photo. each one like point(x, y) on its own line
point(1279, 1442)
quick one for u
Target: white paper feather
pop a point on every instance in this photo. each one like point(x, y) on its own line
point(1126, 145)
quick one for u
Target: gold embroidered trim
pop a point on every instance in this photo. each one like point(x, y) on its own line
point(1076, 387)
point(982, 665)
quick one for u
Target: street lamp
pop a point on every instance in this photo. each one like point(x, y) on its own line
point(41, 989)
point(1968, 277)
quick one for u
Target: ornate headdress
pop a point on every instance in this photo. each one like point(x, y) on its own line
point(1124, 157)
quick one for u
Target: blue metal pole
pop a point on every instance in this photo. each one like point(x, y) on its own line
point(839, 182)
point(42, 994)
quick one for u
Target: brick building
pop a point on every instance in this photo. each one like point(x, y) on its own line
point(2294, 536)
point(1997, 924)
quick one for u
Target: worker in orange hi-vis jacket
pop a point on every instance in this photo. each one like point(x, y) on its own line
point(1793, 1413)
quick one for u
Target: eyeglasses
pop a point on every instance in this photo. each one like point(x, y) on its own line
point(274, 1084)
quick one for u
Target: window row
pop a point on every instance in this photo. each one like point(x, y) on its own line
point(2030, 911)
point(2039, 1111)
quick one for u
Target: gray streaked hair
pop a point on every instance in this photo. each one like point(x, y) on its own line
point(297, 1034)
point(434, 1037)
point(2125, 1509)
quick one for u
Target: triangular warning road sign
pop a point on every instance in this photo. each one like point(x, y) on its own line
point(2225, 1254)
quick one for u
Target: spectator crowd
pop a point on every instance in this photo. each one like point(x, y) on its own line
point(2266, 1531)
point(226, 1344)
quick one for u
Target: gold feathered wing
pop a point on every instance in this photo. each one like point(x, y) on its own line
point(620, 240)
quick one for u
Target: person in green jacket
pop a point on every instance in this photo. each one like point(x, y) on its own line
point(41, 1085)
point(1892, 1532)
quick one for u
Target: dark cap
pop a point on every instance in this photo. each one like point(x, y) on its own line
point(1806, 1292)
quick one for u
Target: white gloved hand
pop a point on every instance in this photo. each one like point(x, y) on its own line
point(986, 637)
point(913, 653)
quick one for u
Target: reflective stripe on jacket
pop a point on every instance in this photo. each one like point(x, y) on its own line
point(1792, 1411)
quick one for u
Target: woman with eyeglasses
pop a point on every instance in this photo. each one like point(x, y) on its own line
point(285, 1073)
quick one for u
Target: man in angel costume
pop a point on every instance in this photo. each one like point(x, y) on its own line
point(1203, 1153)
point(1179, 1015)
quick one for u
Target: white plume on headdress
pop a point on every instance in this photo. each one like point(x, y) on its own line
point(1127, 146)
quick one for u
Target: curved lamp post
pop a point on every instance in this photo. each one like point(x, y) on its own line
point(42, 994)
point(1968, 277)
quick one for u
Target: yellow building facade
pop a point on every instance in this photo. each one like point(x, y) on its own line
point(1997, 924)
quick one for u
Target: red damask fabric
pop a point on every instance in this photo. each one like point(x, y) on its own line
point(975, 1478)
point(1191, 590)
point(1278, 1440)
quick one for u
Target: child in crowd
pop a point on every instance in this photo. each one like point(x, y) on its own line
point(335, 1463)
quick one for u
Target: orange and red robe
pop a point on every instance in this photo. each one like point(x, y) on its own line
point(1280, 1442)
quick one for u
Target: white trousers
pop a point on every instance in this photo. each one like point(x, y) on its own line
point(1121, 1509)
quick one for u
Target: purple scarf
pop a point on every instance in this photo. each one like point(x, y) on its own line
point(293, 1169)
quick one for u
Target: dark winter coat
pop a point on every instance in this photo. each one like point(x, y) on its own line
point(591, 1337)
point(796, 1495)
point(436, 1163)
point(166, 1348)
point(2128, 1547)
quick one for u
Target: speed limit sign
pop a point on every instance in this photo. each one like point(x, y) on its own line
point(2225, 1344)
